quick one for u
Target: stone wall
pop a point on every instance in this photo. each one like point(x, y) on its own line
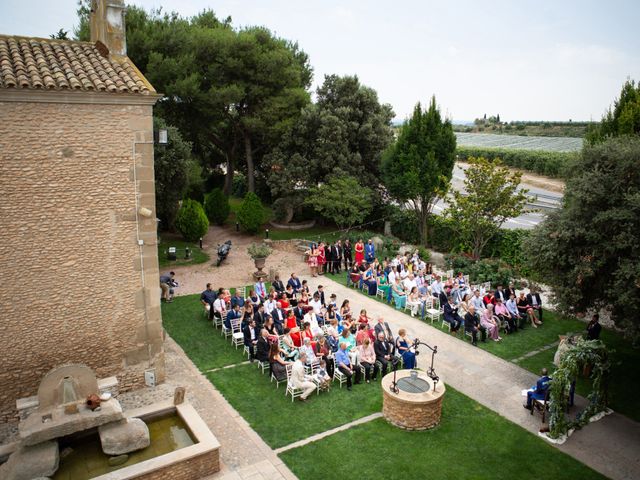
point(196, 468)
point(72, 285)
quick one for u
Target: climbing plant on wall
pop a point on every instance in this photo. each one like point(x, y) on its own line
point(592, 353)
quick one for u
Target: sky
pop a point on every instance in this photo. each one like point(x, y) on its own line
point(524, 60)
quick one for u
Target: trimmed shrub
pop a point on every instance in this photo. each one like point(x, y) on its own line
point(216, 206)
point(251, 215)
point(486, 270)
point(191, 221)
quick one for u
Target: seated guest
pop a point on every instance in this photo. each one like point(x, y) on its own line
point(526, 311)
point(284, 301)
point(403, 345)
point(251, 339)
point(270, 327)
point(277, 284)
point(207, 298)
point(307, 332)
point(367, 356)
point(415, 301)
point(278, 365)
point(253, 298)
point(384, 328)
point(333, 301)
point(279, 316)
point(437, 288)
point(464, 304)
point(460, 280)
point(370, 280)
point(510, 290)
point(289, 349)
point(489, 299)
point(491, 323)
point(536, 303)
point(384, 353)
point(233, 314)
point(451, 315)
point(312, 320)
point(539, 391)
point(363, 333)
point(261, 289)
point(349, 339)
point(398, 294)
point(270, 304)
point(512, 307)
point(262, 346)
point(308, 351)
point(294, 281)
point(237, 299)
point(443, 298)
point(594, 328)
point(247, 314)
point(299, 312)
point(220, 306)
point(305, 287)
point(330, 314)
point(300, 380)
point(291, 296)
point(259, 317)
point(345, 310)
point(500, 294)
point(316, 305)
point(477, 302)
point(473, 325)
point(294, 330)
point(344, 364)
point(363, 318)
point(320, 293)
point(501, 311)
point(323, 374)
point(323, 352)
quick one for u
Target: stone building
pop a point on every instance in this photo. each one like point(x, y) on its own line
point(77, 211)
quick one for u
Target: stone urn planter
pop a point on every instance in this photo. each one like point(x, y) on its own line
point(259, 253)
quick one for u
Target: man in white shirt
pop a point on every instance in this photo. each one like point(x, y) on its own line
point(270, 305)
point(220, 307)
point(392, 275)
point(308, 351)
point(436, 287)
point(316, 305)
point(299, 379)
point(409, 282)
point(477, 302)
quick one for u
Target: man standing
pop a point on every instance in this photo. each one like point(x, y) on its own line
point(384, 352)
point(261, 289)
point(451, 315)
point(337, 257)
point(299, 379)
point(472, 324)
point(384, 328)
point(347, 253)
point(594, 328)
point(539, 391)
point(328, 257)
point(251, 339)
point(369, 252)
point(343, 362)
point(207, 298)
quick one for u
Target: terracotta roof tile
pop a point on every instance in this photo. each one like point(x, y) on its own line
point(47, 64)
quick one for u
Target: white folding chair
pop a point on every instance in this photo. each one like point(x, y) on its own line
point(278, 382)
point(264, 366)
point(226, 331)
point(218, 321)
point(434, 311)
point(237, 337)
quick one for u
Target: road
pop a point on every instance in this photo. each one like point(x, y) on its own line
point(543, 201)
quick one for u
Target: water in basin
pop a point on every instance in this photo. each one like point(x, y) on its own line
point(168, 433)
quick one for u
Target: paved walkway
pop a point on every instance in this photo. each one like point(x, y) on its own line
point(610, 446)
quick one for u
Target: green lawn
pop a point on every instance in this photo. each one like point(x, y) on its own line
point(184, 321)
point(471, 442)
point(314, 234)
point(197, 255)
point(515, 345)
point(624, 387)
point(278, 420)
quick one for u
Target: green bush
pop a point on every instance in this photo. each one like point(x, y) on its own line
point(216, 206)
point(191, 221)
point(552, 164)
point(251, 215)
point(239, 185)
point(486, 270)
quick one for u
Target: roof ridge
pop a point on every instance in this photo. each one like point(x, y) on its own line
point(50, 40)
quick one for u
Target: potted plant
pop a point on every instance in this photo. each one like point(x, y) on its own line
point(259, 253)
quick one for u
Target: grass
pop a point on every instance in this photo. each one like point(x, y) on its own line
point(315, 233)
point(470, 442)
point(624, 385)
point(197, 255)
point(516, 345)
point(203, 344)
point(278, 420)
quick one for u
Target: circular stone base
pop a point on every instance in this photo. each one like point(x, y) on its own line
point(412, 411)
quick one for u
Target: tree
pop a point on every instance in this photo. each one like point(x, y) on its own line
point(216, 206)
point(171, 165)
point(589, 250)
point(490, 196)
point(251, 214)
point(417, 169)
point(60, 35)
point(346, 129)
point(343, 200)
point(191, 221)
point(624, 119)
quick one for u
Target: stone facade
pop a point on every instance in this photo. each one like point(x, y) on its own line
point(197, 467)
point(78, 288)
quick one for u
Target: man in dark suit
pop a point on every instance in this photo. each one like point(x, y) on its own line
point(501, 294)
point(251, 338)
point(510, 290)
point(443, 296)
point(279, 316)
point(234, 313)
point(384, 328)
point(534, 300)
point(451, 315)
point(294, 281)
point(298, 312)
point(539, 391)
point(320, 293)
point(259, 317)
point(262, 346)
point(277, 284)
point(337, 256)
point(594, 328)
point(346, 254)
point(472, 324)
point(384, 353)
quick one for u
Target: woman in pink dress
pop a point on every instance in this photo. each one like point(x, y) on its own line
point(321, 258)
point(489, 321)
point(313, 260)
point(359, 248)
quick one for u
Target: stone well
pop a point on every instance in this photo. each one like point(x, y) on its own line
point(417, 405)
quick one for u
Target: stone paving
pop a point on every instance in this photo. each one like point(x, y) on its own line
point(611, 446)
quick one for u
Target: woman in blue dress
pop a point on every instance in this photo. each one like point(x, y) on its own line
point(371, 281)
point(403, 345)
point(398, 293)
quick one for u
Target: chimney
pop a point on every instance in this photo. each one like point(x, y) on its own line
point(107, 25)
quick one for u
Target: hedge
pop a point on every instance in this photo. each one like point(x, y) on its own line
point(191, 220)
point(216, 206)
point(551, 164)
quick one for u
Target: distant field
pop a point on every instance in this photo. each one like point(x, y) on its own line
point(516, 142)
